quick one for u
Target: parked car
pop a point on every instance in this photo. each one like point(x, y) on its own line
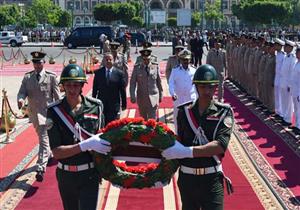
point(9, 37)
point(87, 36)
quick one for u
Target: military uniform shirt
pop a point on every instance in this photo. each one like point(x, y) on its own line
point(88, 117)
point(180, 83)
point(208, 121)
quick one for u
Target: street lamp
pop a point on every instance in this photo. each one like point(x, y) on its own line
point(21, 5)
point(72, 12)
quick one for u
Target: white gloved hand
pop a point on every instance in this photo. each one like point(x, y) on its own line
point(177, 151)
point(95, 143)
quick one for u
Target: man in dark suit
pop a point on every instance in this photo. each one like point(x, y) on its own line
point(197, 45)
point(110, 87)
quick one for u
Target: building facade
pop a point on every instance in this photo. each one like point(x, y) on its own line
point(82, 10)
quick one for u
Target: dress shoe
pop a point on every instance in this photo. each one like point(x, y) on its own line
point(39, 176)
point(284, 123)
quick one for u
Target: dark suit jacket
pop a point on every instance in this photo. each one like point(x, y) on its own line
point(112, 94)
point(197, 46)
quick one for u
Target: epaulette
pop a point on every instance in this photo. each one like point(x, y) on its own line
point(154, 56)
point(94, 100)
point(194, 66)
point(190, 104)
point(55, 103)
point(50, 72)
point(153, 62)
point(30, 72)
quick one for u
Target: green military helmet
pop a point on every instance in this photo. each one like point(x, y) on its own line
point(206, 74)
point(73, 72)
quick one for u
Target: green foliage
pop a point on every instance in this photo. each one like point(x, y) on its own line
point(137, 22)
point(9, 14)
point(172, 21)
point(196, 17)
point(263, 12)
point(29, 20)
point(105, 12)
point(138, 7)
point(64, 20)
point(125, 12)
point(115, 11)
point(212, 11)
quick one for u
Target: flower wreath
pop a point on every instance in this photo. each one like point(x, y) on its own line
point(120, 133)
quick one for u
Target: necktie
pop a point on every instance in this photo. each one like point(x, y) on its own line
point(147, 70)
point(217, 52)
point(38, 77)
point(107, 76)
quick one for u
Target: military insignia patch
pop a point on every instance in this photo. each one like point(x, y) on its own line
point(228, 122)
point(73, 73)
point(208, 76)
point(49, 123)
point(36, 54)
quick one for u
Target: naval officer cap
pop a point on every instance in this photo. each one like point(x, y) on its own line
point(185, 54)
point(279, 41)
point(290, 43)
point(147, 45)
point(38, 57)
point(114, 45)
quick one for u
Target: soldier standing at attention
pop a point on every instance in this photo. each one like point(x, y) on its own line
point(173, 61)
point(287, 67)
point(119, 60)
point(217, 58)
point(40, 86)
point(280, 54)
point(72, 123)
point(145, 86)
point(204, 128)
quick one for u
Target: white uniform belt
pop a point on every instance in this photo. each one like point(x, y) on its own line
point(75, 168)
point(201, 171)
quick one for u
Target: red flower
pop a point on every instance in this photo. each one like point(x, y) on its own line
point(151, 123)
point(145, 139)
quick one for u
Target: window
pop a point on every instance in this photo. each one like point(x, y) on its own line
point(174, 5)
point(155, 5)
point(224, 4)
point(85, 5)
point(77, 5)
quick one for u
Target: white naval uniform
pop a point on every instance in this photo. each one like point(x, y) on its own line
point(277, 99)
point(181, 85)
point(296, 92)
point(285, 83)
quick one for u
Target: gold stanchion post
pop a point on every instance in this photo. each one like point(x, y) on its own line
point(5, 116)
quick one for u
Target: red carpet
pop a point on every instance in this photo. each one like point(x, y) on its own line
point(167, 102)
point(43, 195)
point(282, 159)
point(12, 154)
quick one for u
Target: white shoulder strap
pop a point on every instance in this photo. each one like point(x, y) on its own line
point(75, 128)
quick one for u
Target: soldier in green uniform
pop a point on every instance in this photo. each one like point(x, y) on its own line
point(204, 128)
point(71, 124)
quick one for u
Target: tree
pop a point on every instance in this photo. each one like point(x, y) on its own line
point(64, 20)
point(138, 7)
point(125, 12)
point(213, 12)
point(137, 22)
point(9, 14)
point(263, 12)
point(196, 17)
point(105, 12)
